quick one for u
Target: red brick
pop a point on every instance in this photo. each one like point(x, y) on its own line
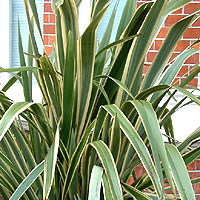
point(46, 18)
point(47, 7)
point(172, 19)
point(192, 33)
point(158, 44)
point(130, 180)
point(196, 23)
point(163, 32)
point(49, 29)
point(139, 4)
point(179, 11)
point(191, 167)
point(166, 186)
point(198, 164)
point(52, 18)
point(183, 71)
point(145, 69)
point(194, 83)
point(46, 40)
point(168, 192)
point(194, 59)
point(151, 56)
point(197, 197)
point(139, 171)
point(197, 188)
point(183, 44)
point(48, 50)
point(52, 39)
point(191, 7)
point(152, 46)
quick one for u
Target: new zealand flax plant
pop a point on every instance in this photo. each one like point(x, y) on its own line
point(100, 117)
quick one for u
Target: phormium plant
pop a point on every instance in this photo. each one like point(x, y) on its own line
point(99, 117)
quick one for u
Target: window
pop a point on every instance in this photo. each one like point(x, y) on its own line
point(4, 38)
point(17, 10)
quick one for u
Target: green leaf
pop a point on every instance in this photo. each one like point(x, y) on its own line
point(187, 94)
point(59, 46)
point(110, 168)
point(141, 45)
point(106, 189)
point(55, 4)
point(99, 6)
point(114, 44)
point(95, 183)
point(128, 12)
point(35, 15)
point(102, 50)
point(167, 49)
point(137, 194)
point(151, 125)
point(169, 130)
point(41, 121)
point(11, 114)
point(17, 69)
point(191, 76)
point(75, 160)
point(8, 162)
point(116, 69)
point(119, 83)
point(188, 141)
point(50, 165)
point(10, 82)
point(144, 94)
point(31, 31)
point(27, 182)
point(68, 91)
point(191, 156)
point(86, 69)
point(180, 173)
point(99, 86)
point(25, 84)
point(138, 145)
point(173, 5)
point(173, 70)
point(115, 139)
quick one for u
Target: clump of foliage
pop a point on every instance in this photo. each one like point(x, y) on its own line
point(100, 117)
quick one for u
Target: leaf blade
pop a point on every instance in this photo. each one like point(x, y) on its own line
point(26, 183)
point(180, 173)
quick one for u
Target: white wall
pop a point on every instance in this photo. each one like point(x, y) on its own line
point(84, 15)
point(186, 119)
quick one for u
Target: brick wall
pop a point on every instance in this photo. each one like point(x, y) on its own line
point(192, 34)
point(49, 26)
